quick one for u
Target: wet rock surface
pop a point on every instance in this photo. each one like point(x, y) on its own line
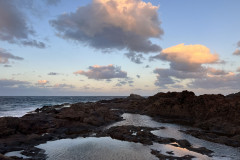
point(217, 116)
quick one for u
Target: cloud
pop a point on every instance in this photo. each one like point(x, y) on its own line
point(112, 24)
point(5, 56)
point(147, 66)
point(236, 52)
point(103, 72)
point(170, 76)
point(138, 76)
point(63, 86)
point(53, 73)
point(210, 77)
point(11, 87)
point(5, 83)
point(14, 27)
point(238, 44)
point(238, 70)
point(134, 57)
point(229, 81)
point(7, 66)
point(34, 43)
point(178, 74)
point(121, 83)
point(125, 81)
point(213, 71)
point(187, 57)
point(42, 82)
point(187, 62)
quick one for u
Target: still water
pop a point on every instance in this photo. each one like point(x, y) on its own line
point(106, 148)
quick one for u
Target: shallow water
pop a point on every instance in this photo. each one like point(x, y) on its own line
point(92, 148)
point(172, 130)
point(107, 148)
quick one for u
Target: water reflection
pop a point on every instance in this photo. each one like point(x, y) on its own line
point(92, 148)
point(172, 130)
point(106, 148)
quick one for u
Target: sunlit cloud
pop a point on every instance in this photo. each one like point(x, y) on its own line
point(187, 57)
point(42, 82)
point(215, 72)
point(236, 52)
point(187, 62)
point(112, 24)
point(103, 72)
point(193, 54)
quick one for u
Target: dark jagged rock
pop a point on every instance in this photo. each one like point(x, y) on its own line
point(131, 134)
point(184, 143)
point(217, 115)
point(170, 152)
point(135, 97)
point(234, 95)
point(53, 123)
point(2, 157)
point(231, 141)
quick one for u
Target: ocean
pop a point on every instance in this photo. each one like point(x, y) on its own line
point(20, 105)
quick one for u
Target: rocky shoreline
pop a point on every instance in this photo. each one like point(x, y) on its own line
point(217, 116)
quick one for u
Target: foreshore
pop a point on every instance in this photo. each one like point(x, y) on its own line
point(216, 116)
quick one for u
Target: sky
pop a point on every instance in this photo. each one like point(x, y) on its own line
point(118, 47)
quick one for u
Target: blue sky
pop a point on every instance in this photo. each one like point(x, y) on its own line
point(93, 60)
